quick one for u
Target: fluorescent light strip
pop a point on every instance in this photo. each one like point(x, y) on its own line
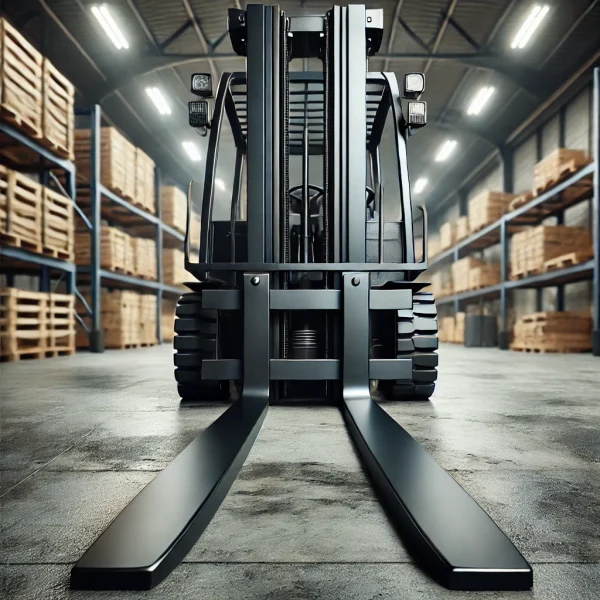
point(531, 23)
point(220, 184)
point(192, 151)
point(111, 29)
point(480, 100)
point(445, 151)
point(420, 185)
point(159, 100)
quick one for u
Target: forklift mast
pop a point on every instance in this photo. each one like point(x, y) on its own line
point(306, 293)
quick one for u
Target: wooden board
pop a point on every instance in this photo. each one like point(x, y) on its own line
point(556, 167)
point(58, 236)
point(174, 207)
point(568, 260)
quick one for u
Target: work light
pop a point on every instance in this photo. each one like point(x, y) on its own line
point(417, 114)
point(199, 113)
point(202, 85)
point(414, 84)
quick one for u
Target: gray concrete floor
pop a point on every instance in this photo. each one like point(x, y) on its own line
point(82, 435)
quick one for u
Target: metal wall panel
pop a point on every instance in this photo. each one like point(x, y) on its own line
point(551, 135)
point(523, 164)
point(578, 131)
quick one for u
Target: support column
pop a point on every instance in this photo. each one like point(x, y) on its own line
point(507, 186)
point(596, 212)
point(159, 254)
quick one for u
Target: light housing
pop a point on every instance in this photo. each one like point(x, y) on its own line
point(108, 23)
point(531, 23)
point(417, 114)
point(480, 100)
point(199, 113)
point(192, 151)
point(159, 100)
point(420, 184)
point(445, 151)
point(414, 84)
point(201, 85)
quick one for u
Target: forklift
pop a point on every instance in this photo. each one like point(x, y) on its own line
point(306, 294)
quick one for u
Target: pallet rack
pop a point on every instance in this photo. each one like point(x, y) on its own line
point(548, 204)
point(96, 275)
point(41, 161)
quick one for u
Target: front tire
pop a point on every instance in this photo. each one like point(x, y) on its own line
point(417, 338)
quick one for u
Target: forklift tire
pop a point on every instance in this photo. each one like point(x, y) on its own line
point(417, 337)
point(195, 341)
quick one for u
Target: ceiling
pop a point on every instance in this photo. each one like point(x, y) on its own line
point(460, 44)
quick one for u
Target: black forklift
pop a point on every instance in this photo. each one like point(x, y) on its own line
point(307, 294)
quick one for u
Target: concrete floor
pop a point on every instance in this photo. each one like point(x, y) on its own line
point(82, 435)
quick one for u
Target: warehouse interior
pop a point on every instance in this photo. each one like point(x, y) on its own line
point(96, 159)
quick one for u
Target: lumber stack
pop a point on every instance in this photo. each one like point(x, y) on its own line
point(58, 117)
point(20, 211)
point(168, 319)
point(114, 255)
point(485, 275)
point(447, 236)
point(144, 253)
point(117, 160)
point(57, 224)
point(533, 248)
point(20, 81)
point(174, 208)
point(553, 332)
point(36, 324)
point(446, 330)
point(459, 328)
point(461, 273)
point(441, 284)
point(174, 272)
point(147, 331)
point(556, 167)
point(128, 319)
point(144, 181)
point(462, 228)
point(486, 208)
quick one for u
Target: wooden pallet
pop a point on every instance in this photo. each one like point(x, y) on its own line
point(520, 200)
point(144, 181)
point(114, 250)
point(144, 251)
point(58, 119)
point(486, 208)
point(568, 260)
point(174, 272)
point(58, 225)
point(549, 349)
point(20, 81)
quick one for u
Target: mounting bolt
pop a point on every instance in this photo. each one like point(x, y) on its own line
point(255, 280)
point(355, 281)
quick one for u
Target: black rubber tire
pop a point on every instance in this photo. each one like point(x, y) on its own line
point(417, 337)
point(195, 341)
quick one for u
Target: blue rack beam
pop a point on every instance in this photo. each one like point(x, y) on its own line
point(37, 259)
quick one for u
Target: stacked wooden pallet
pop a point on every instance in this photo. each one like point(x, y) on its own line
point(114, 250)
point(58, 224)
point(486, 208)
point(34, 95)
point(446, 329)
point(144, 181)
point(174, 208)
point(20, 81)
point(144, 252)
point(117, 160)
point(462, 228)
point(485, 275)
point(58, 117)
point(20, 211)
point(441, 284)
point(447, 236)
point(556, 167)
point(459, 328)
point(461, 273)
point(553, 332)
point(168, 319)
point(128, 319)
point(543, 248)
point(174, 272)
point(36, 324)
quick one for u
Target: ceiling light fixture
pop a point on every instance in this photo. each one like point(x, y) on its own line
point(192, 151)
point(531, 23)
point(220, 184)
point(480, 100)
point(110, 27)
point(445, 150)
point(420, 185)
point(159, 100)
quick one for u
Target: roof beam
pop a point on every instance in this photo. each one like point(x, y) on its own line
point(390, 46)
point(464, 34)
point(204, 43)
point(440, 34)
point(413, 35)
